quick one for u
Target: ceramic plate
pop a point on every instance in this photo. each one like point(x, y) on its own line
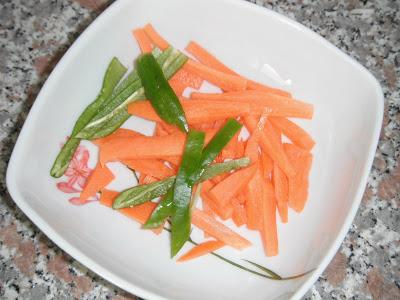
point(258, 43)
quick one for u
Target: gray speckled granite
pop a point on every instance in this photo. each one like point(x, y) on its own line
point(34, 35)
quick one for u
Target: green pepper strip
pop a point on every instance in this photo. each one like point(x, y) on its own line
point(159, 92)
point(210, 152)
point(114, 73)
point(188, 170)
point(170, 61)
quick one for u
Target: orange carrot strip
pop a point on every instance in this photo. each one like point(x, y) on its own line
point(251, 150)
point(267, 165)
point(141, 213)
point(99, 179)
point(142, 147)
point(218, 230)
point(120, 132)
point(294, 132)
point(146, 179)
point(239, 213)
point(178, 87)
point(228, 188)
point(196, 111)
point(240, 148)
point(298, 184)
point(155, 37)
point(229, 151)
point(143, 40)
point(242, 197)
point(159, 130)
point(153, 167)
point(225, 81)
point(252, 85)
point(174, 160)
point(107, 197)
point(254, 201)
point(186, 78)
point(201, 249)
point(208, 59)
point(138, 213)
point(269, 233)
point(272, 145)
point(281, 187)
point(277, 105)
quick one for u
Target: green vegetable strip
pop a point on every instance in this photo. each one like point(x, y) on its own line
point(160, 93)
point(146, 192)
point(113, 124)
point(114, 72)
point(170, 60)
point(163, 210)
point(188, 170)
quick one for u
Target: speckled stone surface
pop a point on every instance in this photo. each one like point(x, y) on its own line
point(33, 37)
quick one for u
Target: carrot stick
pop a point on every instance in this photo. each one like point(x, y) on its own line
point(251, 150)
point(240, 148)
point(139, 213)
point(269, 233)
point(186, 78)
point(154, 167)
point(120, 132)
point(178, 87)
point(143, 40)
point(298, 184)
point(218, 230)
point(155, 37)
point(201, 249)
point(252, 85)
point(146, 179)
point(159, 130)
point(174, 160)
point(254, 201)
point(267, 165)
point(260, 100)
point(228, 188)
point(225, 81)
point(294, 132)
point(98, 179)
point(229, 151)
point(107, 197)
point(271, 144)
point(239, 213)
point(281, 187)
point(208, 59)
point(196, 111)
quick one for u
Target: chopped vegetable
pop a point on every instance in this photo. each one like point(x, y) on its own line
point(281, 187)
point(186, 178)
point(155, 37)
point(254, 200)
point(269, 232)
point(218, 230)
point(201, 249)
point(143, 40)
point(153, 167)
point(159, 92)
point(98, 179)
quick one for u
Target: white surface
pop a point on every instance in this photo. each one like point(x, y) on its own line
point(262, 45)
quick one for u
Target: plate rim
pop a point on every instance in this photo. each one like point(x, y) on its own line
point(110, 276)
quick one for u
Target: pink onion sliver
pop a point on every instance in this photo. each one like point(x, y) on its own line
point(67, 188)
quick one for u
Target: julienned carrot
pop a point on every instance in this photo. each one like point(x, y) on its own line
point(142, 147)
point(201, 249)
point(281, 187)
point(230, 149)
point(107, 197)
point(208, 59)
point(260, 100)
point(196, 111)
point(271, 144)
point(298, 184)
point(153, 167)
point(174, 160)
point(120, 132)
point(252, 85)
point(267, 165)
point(254, 200)
point(228, 188)
point(145, 147)
point(269, 233)
point(146, 179)
point(225, 81)
point(138, 213)
point(186, 78)
point(218, 230)
point(240, 148)
point(143, 40)
point(251, 150)
point(239, 213)
point(294, 132)
point(159, 130)
point(169, 128)
point(98, 179)
point(155, 37)
point(178, 87)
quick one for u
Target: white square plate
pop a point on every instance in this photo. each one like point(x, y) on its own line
point(257, 43)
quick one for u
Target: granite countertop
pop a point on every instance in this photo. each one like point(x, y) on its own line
point(35, 34)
